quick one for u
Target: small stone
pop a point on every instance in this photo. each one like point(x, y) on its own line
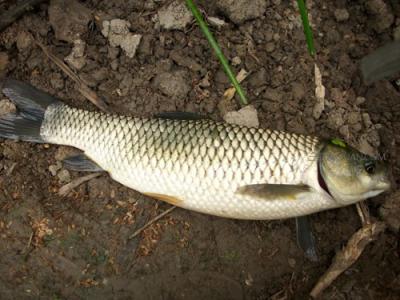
point(365, 147)
point(292, 262)
point(114, 64)
point(216, 22)
point(100, 74)
point(246, 116)
point(273, 94)
point(69, 19)
point(360, 100)
point(64, 176)
point(383, 17)
point(341, 14)
point(54, 168)
point(240, 11)
point(76, 59)
point(259, 78)
point(173, 84)
point(367, 120)
point(270, 47)
point(174, 16)
point(119, 26)
point(270, 106)
point(113, 52)
point(236, 61)
point(353, 117)
point(335, 119)
point(344, 131)
point(24, 40)
point(6, 107)
point(298, 91)
point(57, 81)
point(130, 43)
point(118, 34)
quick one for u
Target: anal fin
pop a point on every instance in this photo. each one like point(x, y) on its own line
point(81, 163)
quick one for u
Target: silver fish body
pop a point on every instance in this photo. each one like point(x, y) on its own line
point(195, 164)
point(202, 165)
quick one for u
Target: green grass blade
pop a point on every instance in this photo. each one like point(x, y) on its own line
point(217, 50)
point(306, 26)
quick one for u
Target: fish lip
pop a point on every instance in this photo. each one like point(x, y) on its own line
point(383, 186)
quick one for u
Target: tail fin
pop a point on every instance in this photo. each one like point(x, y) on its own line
point(31, 105)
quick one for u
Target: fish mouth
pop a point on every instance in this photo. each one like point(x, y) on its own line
point(383, 186)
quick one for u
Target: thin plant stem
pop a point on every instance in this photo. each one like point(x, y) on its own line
point(306, 26)
point(217, 50)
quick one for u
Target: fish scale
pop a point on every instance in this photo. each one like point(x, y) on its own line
point(194, 164)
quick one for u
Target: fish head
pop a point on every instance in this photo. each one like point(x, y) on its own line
point(350, 176)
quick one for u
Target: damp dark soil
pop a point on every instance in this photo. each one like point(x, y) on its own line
point(77, 247)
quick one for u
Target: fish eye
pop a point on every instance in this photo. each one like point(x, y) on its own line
point(370, 167)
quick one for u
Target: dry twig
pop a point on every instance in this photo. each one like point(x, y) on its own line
point(349, 255)
point(163, 214)
point(82, 86)
point(64, 190)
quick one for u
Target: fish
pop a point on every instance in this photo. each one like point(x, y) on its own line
point(201, 165)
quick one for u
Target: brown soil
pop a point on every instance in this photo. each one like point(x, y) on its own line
point(77, 247)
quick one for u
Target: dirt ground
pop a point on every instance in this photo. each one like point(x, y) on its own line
point(77, 247)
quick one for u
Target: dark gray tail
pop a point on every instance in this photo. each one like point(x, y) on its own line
point(31, 105)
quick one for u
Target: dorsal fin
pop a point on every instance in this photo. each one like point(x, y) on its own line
point(180, 115)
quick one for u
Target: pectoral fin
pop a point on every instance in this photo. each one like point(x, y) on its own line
point(81, 163)
point(274, 191)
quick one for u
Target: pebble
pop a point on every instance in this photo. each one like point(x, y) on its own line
point(76, 59)
point(64, 176)
point(270, 47)
point(216, 22)
point(174, 16)
point(24, 40)
point(173, 84)
point(69, 19)
point(341, 14)
point(344, 131)
point(118, 34)
point(335, 119)
point(353, 117)
point(57, 81)
point(364, 145)
point(240, 11)
point(236, 61)
point(382, 18)
point(246, 116)
point(367, 120)
point(298, 91)
point(130, 44)
point(360, 100)
point(273, 94)
point(54, 168)
point(292, 262)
